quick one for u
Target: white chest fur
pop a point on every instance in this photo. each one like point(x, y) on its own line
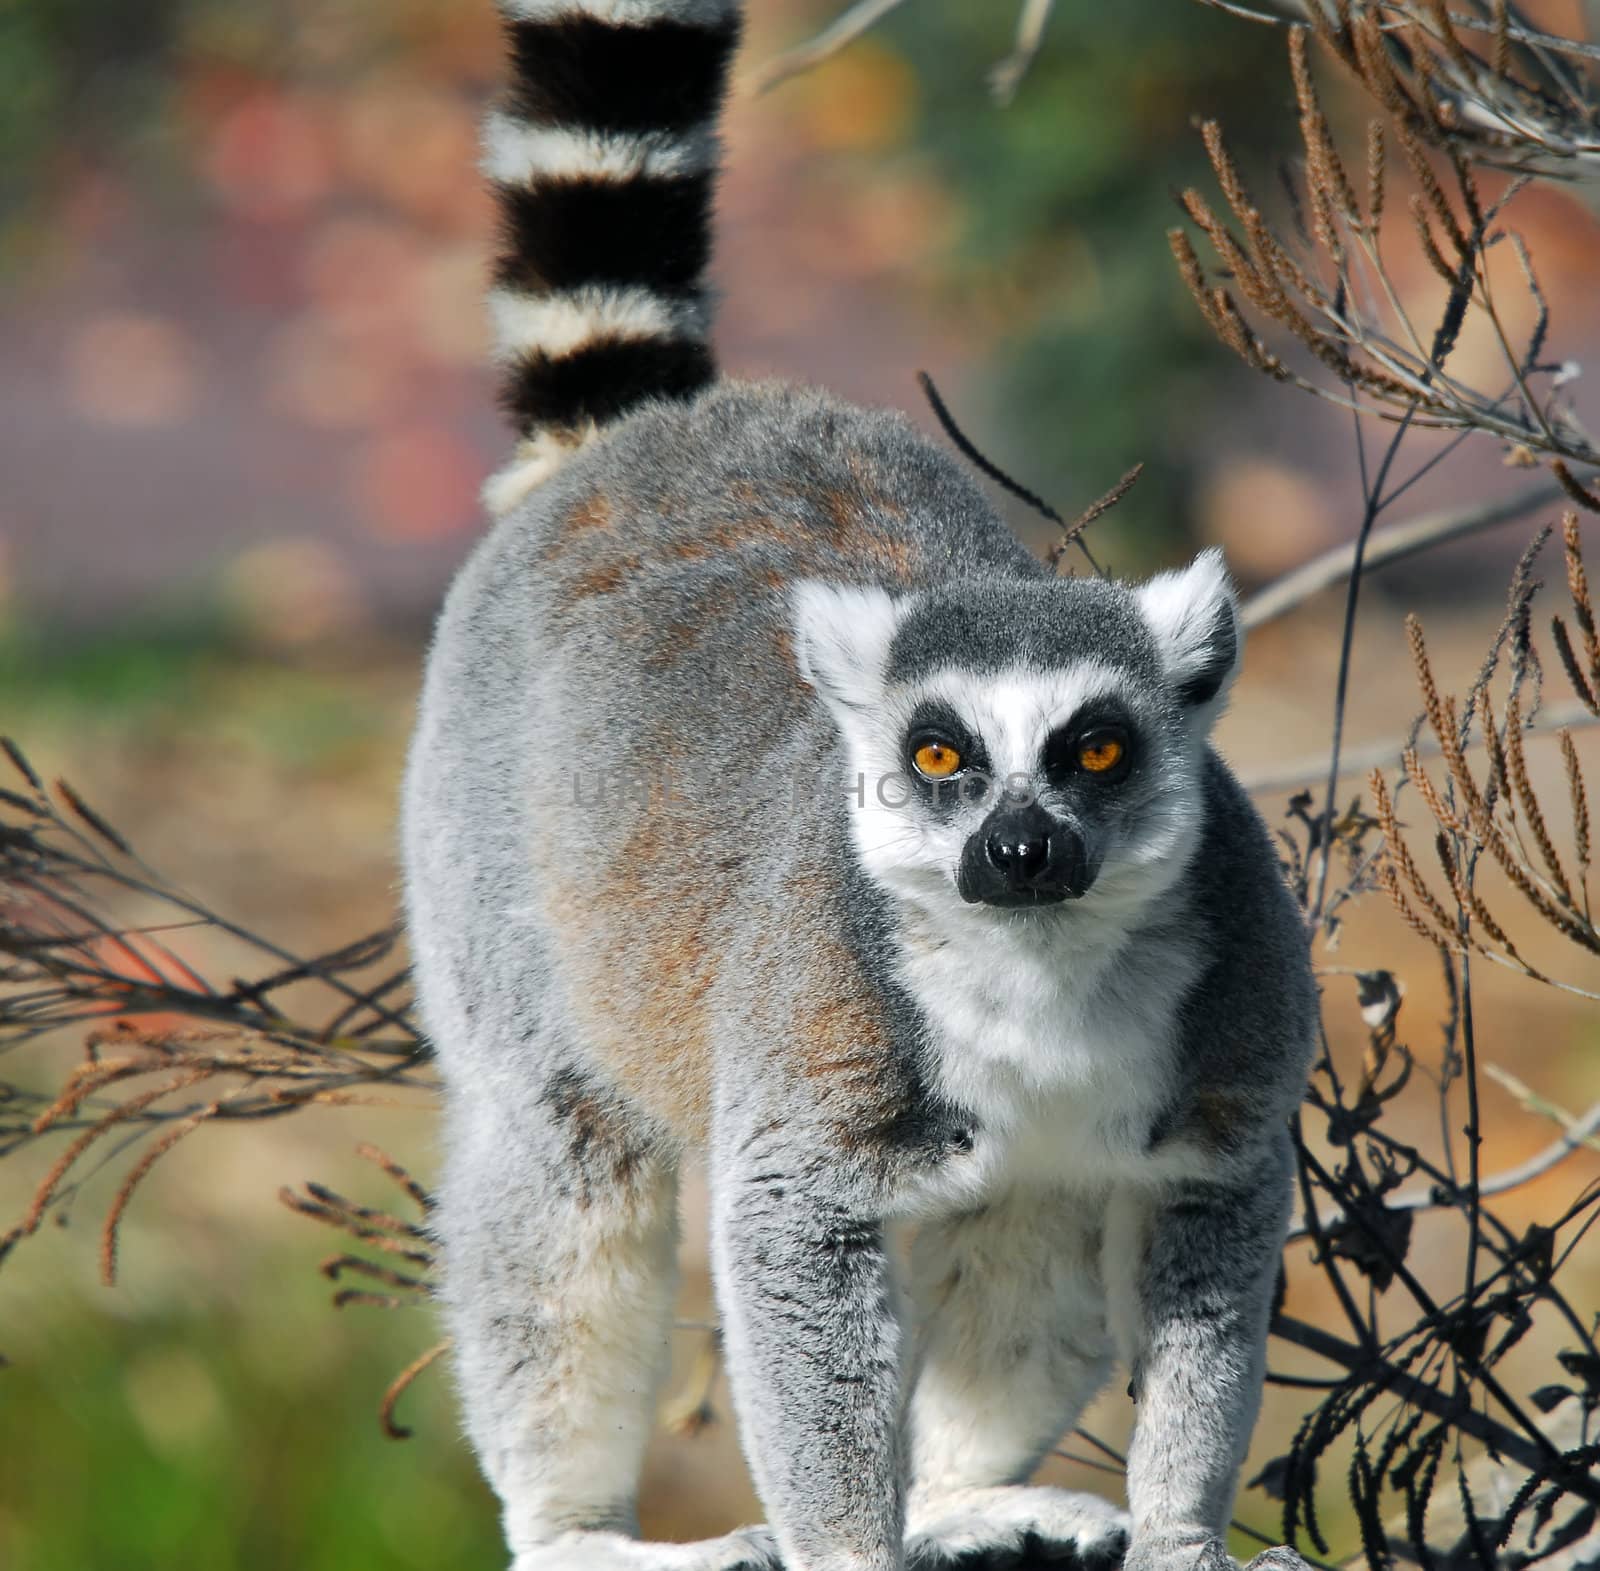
point(1058, 1036)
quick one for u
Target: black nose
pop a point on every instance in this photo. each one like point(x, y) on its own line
point(1023, 855)
point(1019, 849)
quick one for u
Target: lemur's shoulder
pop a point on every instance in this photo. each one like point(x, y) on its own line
point(1237, 875)
point(1247, 1027)
point(810, 994)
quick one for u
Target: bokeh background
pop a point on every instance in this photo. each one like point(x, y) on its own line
point(243, 419)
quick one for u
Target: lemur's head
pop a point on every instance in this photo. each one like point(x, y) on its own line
point(1025, 744)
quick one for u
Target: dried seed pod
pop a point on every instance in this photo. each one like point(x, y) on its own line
point(1325, 167)
point(1444, 815)
point(136, 1175)
point(1445, 34)
point(1533, 812)
point(1376, 155)
point(1389, 881)
point(1430, 247)
point(1400, 853)
point(1500, 58)
point(1580, 803)
point(1428, 181)
point(1580, 683)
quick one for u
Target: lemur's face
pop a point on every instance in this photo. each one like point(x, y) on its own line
point(1025, 746)
point(1015, 785)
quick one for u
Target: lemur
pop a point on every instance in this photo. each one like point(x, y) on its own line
point(770, 800)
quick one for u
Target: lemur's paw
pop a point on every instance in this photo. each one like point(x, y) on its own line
point(1200, 1552)
point(1282, 1558)
point(1016, 1526)
point(1188, 1551)
point(749, 1549)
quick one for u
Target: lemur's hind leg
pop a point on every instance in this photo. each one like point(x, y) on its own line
point(1012, 1345)
point(559, 1283)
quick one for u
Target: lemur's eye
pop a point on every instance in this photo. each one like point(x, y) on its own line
point(936, 760)
point(1101, 751)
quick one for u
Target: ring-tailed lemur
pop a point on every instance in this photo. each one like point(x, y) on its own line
point(768, 797)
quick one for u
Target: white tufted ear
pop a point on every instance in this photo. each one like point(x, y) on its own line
point(1194, 614)
point(842, 641)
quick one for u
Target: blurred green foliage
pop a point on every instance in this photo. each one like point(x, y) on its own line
point(75, 74)
point(231, 1426)
point(131, 670)
point(1067, 193)
point(149, 678)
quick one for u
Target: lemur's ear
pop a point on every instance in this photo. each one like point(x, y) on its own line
point(1194, 614)
point(842, 641)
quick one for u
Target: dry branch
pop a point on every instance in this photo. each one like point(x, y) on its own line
point(73, 956)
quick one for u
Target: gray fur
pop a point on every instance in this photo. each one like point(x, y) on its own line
point(643, 922)
point(989, 624)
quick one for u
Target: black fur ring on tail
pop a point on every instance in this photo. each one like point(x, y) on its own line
point(603, 156)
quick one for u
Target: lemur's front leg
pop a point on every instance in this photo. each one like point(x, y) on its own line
point(813, 1339)
point(1190, 1274)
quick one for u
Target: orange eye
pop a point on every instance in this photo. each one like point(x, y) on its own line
point(1100, 753)
point(936, 760)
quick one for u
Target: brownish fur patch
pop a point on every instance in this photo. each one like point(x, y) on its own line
point(871, 492)
point(728, 537)
point(579, 525)
point(840, 1033)
point(825, 1020)
point(843, 513)
point(689, 550)
point(594, 512)
point(602, 579)
point(679, 638)
point(641, 954)
point(892, 554)
point(857, 535)
point(634, 944)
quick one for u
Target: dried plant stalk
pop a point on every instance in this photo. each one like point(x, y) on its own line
point(1579, 797)
point(1482, 815)
point(1412, 60)
point(1516, 759)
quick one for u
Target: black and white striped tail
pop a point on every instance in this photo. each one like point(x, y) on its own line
point(603, 155)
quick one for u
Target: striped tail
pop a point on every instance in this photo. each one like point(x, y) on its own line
point(603, 157)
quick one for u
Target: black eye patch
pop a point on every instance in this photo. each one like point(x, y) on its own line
point(1073, 751)
point(933, 721)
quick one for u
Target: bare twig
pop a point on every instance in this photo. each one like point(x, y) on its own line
point(1006, 77)
point(839, 34)
point(1393, 544)
point(1386, 754)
